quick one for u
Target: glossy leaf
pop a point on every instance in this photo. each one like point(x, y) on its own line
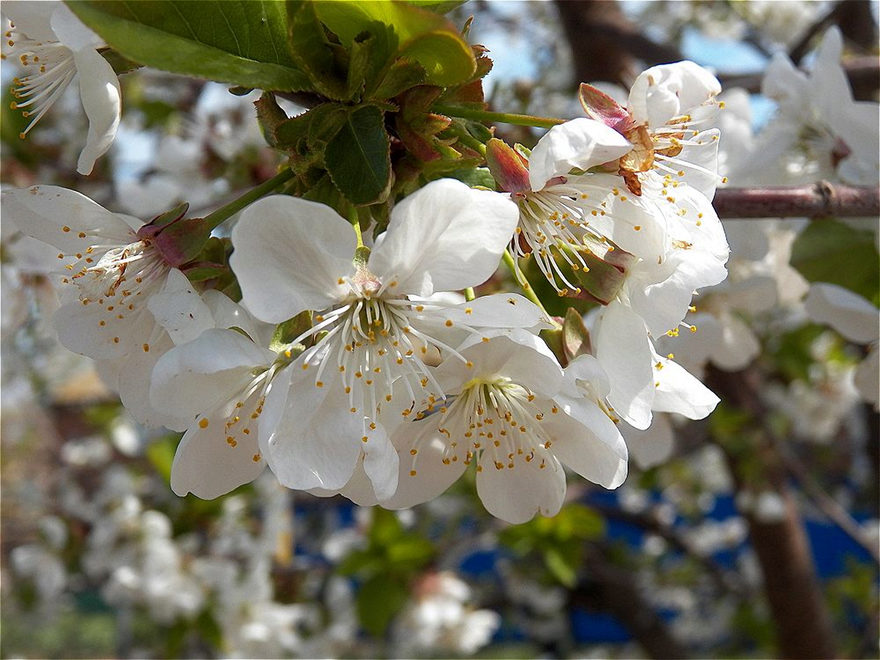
point(357, 157)
point(425, 36)
point(237, 41)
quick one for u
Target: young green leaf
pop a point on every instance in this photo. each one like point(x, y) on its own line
point(426, 37)
point(234, 41)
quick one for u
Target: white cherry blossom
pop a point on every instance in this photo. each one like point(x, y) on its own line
point(641, 380)
point(376, 319)
point(54, 48)
point(519, 418)
point(819, 130)
point(858, 320)
point(109, 276)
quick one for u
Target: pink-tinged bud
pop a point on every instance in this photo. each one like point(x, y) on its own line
point(601, 107)
point(509, 168)
point(176, 238)
point(604, 275)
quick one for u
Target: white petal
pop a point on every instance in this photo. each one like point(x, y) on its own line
point(444, 237)
point(679, 392)
point(359, 488)
point(518, 355)
point(199, 376)
point(229, 314)
point(738, 346)
point(289, 256)
point(847, 312)
point(316, 441)
point(587, 368)
point(79, 330)
point(133, 384)
point(381, 463)
point(71, 31)
point(32, 18)
point(589, 443)
point(619, 223)
point(663, 304)
point(102, 101)
point(499, 310)
point(699, 162)
point(651, 446)
point(432, 477)
point(207, 466)
point(516, 495)
point(577, 144)
point(179, 309)
point(43, 212)
point(670, 90)
point(623, 349)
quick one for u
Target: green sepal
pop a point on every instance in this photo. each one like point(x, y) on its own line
point(575, 336)
point(289, 330)
point(271, 116)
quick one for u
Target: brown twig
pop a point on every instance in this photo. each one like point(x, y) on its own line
point(822, 199)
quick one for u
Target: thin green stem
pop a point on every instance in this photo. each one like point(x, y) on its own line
point(492, 117)
point(520, 277)
point(469, 294)
point(236, 205)
point(355, 222)
point(469, 140)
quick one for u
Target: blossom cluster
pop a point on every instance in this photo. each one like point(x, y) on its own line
point(352, 363)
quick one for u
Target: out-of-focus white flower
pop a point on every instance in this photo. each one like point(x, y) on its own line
point(818, 407)
point(819, 130)
point(856, 319)
point(54, 48)
point(782, 20)
point(440, 621)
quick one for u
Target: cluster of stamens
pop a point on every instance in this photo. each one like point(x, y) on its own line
point(372, 345)
point(495, 423)
point(115, 281)
point(49, 67)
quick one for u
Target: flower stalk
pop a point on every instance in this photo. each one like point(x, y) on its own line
point(213, 220)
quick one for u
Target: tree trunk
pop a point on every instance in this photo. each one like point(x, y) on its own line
point(803, 625)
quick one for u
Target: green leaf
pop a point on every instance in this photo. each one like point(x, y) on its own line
point(410, 552)
point(477, 177)
point(161, 455)
point(830, 251)
point(401, 76)
point(358, 157)
point(378, 600)
point(559, 567)
point(313, 53)
point(425, 36)
point(372, 55)
point(234, 41)
point(438, 6)
point(385, 527)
